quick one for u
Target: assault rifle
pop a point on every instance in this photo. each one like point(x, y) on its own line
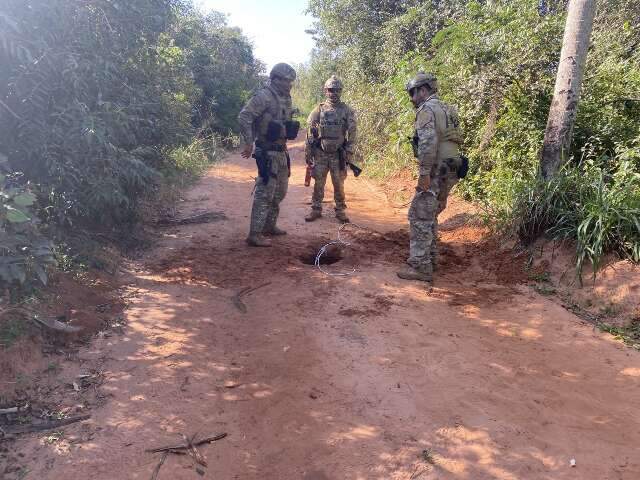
point(344, 161)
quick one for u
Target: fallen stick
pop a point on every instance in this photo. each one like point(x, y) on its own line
point(156, 470)
point(46, 425)
point(8, 410)
point(237, 298)
point(54, 324)
point(247, 291)
point(199, 218)
point(193, 451)
point(50, 323)
point(181, 448)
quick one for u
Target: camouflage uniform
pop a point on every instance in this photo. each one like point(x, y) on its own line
point(265, 107)
point(336, 124)
point(331, 128)
point(438, 156)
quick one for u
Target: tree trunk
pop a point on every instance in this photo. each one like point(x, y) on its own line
point(562, 114)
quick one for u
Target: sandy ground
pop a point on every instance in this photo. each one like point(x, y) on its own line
point(346, 377)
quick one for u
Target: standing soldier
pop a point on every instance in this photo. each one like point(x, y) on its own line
point(267, 119)
point(330, 143)
point(436, 144)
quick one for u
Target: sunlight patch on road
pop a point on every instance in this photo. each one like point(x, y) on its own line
point(362, 432)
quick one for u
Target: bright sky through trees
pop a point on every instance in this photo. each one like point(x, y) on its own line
point(276, 27)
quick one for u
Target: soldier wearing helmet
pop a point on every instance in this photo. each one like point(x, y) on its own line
point(266, 119)
point(331, 137)
point(436, 143)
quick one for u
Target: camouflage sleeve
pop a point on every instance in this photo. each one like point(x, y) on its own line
point(251, 111)
point(352, 131)
point(427, 141)
point(312, 121)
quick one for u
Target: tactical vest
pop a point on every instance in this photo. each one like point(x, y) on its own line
point(270, 126)
point(447, 129)
point(332, 126)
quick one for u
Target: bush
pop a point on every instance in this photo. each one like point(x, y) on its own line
point(102, 105)
point(94, 94)
point(596, 207)
point(24, 253)
point(193, 160)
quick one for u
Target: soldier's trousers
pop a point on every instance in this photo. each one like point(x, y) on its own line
point(446, 183)
point(423, 218)
point(267, 198)
point(324, 164)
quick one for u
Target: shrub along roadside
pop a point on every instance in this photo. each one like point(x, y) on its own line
point(25, 254)
point(596, 207)
point(103, 104)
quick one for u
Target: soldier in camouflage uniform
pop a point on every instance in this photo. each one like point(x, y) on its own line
point(436, 143)
point(330, 144)
point(266, 119)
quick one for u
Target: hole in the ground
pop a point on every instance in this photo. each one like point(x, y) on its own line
point(331, 255)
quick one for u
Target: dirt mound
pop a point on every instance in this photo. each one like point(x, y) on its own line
point(228, 265)
point(220, 265)
point(460, 249)
point(612, 297)
point(392, 247)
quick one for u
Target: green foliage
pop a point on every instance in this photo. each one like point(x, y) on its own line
point(220, 59)
point(191, 161)
point(308, 88)
point(496, 61)
point(24, 253)
point(630, 334)
point(101, 102)
point(598, 209)
point(94, 93)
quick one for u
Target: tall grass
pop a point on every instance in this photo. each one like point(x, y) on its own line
point(595, 204)
point(192, 160)
point(185, 164)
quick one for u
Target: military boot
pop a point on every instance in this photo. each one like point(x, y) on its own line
point(257, 240)
point(275, 231)
point(314, 215)
point(410, 273)
point(341, 216)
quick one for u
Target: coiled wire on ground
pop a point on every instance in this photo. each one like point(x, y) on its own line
point(339, 242)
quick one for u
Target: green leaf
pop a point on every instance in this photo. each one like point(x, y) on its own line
point(16, 216)
point(25, 199)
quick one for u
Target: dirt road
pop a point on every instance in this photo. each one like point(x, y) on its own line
point(357, 377)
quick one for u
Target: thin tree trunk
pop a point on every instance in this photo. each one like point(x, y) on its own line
point(562, 114)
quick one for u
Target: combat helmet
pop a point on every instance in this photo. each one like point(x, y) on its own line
point(283, 70)
point(333, 82)
point(422, 79)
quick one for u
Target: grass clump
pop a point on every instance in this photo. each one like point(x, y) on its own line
point(595, 204)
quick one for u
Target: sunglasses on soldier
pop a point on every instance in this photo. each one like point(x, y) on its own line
point(334, 90)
